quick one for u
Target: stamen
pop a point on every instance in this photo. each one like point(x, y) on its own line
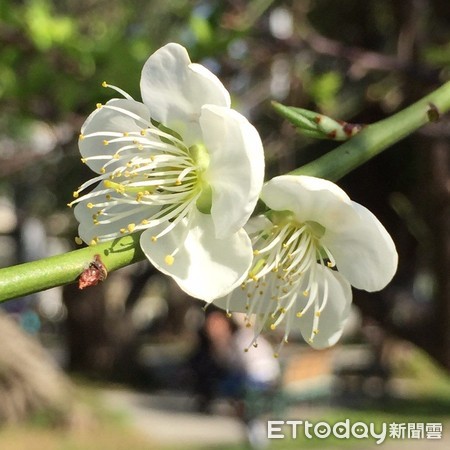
point(286, 261)
point(117, 89)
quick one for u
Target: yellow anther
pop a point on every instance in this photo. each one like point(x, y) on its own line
point(90, 205)
point(102, 170)
point(105, 142)
point(229, 315)
point(143, 132)
point(316, 331)
point(81, 137)
point(178, 183)
point(131, 227)
point(276, 355)
point(123, 230)
point(83, 160)
point(245, 350)
point(75, 194)
point(249, 295)
point(144, 222)
point(98, 105)
point(169, 259)
point(283, 310)
point(154, 238)
point(255, 252)
point(78, 240)
point(317, 313)
point(104, 84)
point(254, 278)
point(273, 326)
point(93, 241)
point(140, 147)
point(305, 293)
point(299, 314)
point(125, 134)
point(108, 197)
point(116, 156)
point(330, 264)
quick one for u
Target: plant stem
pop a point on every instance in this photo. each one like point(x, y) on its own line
point(35, 276)
point(375, 138)
point(24, 279)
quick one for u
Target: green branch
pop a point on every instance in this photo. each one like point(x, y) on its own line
point(63, 269)
point(27, 278)
point(375, 138)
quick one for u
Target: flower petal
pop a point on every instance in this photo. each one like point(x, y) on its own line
point(364, 252)
point(334, 316)
point(236, 167)
point(105, 121)
point(175, 90)
point(129, 214)
point(204, 267)
point(257, 224)
point(310, 199)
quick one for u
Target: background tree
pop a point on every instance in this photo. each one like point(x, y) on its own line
point(353, 60)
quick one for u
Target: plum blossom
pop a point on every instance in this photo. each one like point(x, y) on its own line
point(309, 248)
point(181, 167)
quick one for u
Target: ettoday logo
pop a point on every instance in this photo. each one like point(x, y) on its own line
point(279, 429)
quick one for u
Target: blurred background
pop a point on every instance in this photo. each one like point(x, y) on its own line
point(129, 363)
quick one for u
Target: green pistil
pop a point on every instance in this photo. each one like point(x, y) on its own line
point(200, 156)
point(201, 159)
point(257, 268)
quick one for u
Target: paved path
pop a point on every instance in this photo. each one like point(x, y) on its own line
point(169, 419)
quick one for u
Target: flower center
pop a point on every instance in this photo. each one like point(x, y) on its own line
point(285, 281)
point(150, 177)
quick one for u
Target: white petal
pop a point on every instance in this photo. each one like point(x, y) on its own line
point(365, 253)
point(204, 267)
point(107, 120)
point(334, 316)
point(258, 224)
point(310, 199)
point(175, 89)
point(236, 168)
point(87, 230)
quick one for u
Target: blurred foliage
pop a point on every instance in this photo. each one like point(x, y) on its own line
point(355, 60)
point(54, 56)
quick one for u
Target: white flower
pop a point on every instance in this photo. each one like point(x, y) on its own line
point(182, 166)
point(308, 249)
